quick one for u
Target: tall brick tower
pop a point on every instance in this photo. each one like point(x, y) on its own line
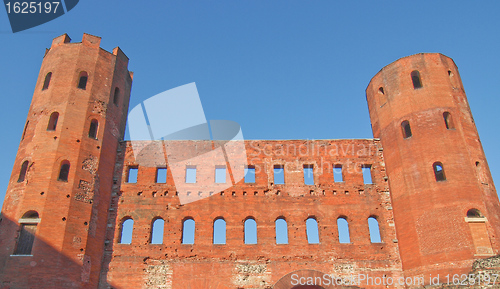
point(55, 210)
point(446, 208)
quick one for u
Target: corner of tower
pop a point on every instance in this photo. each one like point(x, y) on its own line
point(60, 40)
point(120, 55)
point(91, 40)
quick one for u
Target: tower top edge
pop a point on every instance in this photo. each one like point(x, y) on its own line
point(88, 40)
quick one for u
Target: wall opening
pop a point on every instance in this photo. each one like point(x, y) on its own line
point(220, 174)
point(25, 128)
point(343, 229)
point(479, 232)
point(337, 173)
point(250, 174)
point(219, 231)
point(26, 237)
point(127, 228)
point(188, 230)
point(132, 174)
point(94, 125)
point(279, 174)
point(312, 231)
point(116, 96)
point(190, 174)
point(382, 96)
point(367, 174)
point(250, 231)
point(157, 228)
point(82, 80)
point(22, 172)
point(64, 171)
point(46, 82)
point(415, 78)
point(439, 172)
point(161, 175)
point(308, 175)
point(54, 117)
point(448, 120)
point(406, 129)
point(281, 228)
point(373, 226)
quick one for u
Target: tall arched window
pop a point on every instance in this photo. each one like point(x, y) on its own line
point(343, 227)
point(46, 82)
point(127, 227)
point(188, 229)
point(157, 231)
point(219, 231)
point(82, 80)
point(25, 128)
point(312, 231)
point(250, 231)
point(415, 78)
point(22, 172)
point(281, 231)
point(116, 96)
point(94, 125)
point(406, 129)
point(448, 120)
point(64, 171)
point(26, 237)
point(439, 171)
point(52, 125)
point(374, 230)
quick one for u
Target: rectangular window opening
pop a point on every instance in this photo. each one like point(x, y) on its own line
point(250, 174)
point(279, 174)
point(308, 175)
point(337, 174)
point(367, 174)
point(190, 174)
point(161, 175)
point(220, 174)
point(132, 175)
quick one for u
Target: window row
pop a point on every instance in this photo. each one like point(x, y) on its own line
point(82, 84)
point(93, 127)
point(250, 231)
point(62, 176)
point(406, 129)
point(278, 172)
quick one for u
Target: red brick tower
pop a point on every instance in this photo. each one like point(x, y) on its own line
point(446, 208)
point(55, 210)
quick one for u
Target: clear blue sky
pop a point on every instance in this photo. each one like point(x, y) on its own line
point(281, 69)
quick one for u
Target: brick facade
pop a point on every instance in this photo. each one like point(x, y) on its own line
point(430, 191)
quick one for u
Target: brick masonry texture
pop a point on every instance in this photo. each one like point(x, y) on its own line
point(431, 191)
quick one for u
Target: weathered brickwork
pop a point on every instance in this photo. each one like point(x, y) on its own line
point(426, 185)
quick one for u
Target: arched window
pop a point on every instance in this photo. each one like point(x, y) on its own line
point(126, 230)
point(64, 171)
point(25, 128)
point(116, 96)
point(46, 82)
point(343, 227)
point(26, 237)
point(82, 80)
point(281, 231)
point(374, 230)
point(382, 96)
point(474, 213)
point(415, 78)
point(188, 229)
point(219, 231)
point(406, 129)
point(157, 231)
point(94, 125)
point(22, 172)
point(439, 171)
point(250, 231)
point(448, 120)
point(52, 125)
point(312, 231)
